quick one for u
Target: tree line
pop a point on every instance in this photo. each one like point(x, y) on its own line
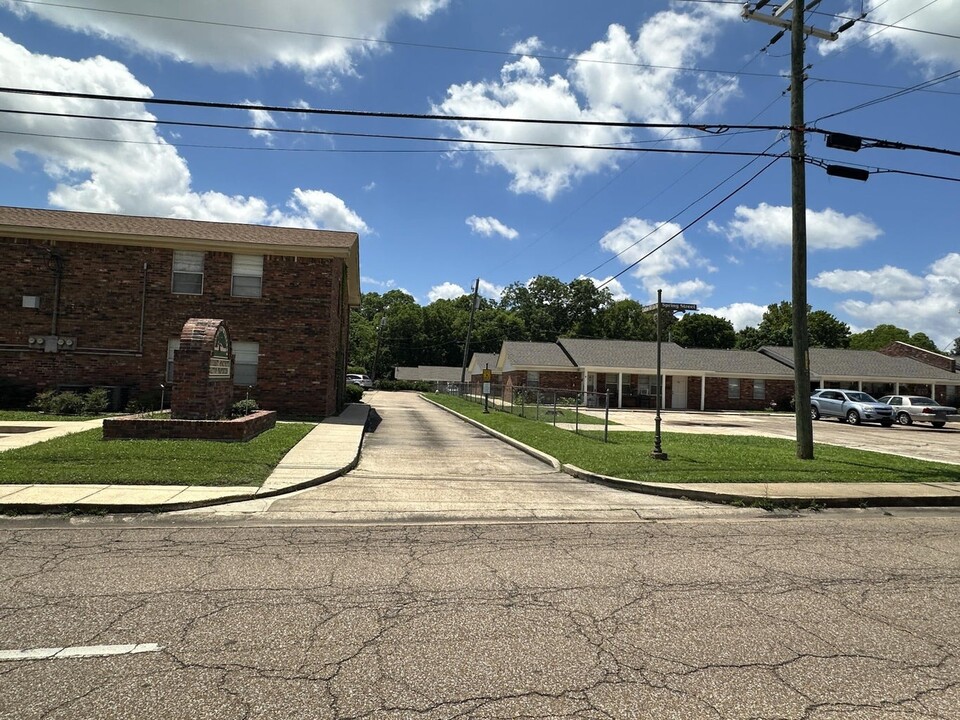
point(546, 309)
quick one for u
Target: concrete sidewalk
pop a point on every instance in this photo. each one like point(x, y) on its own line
point(329, 450)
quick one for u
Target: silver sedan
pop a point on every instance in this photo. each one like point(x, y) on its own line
point(909, 409)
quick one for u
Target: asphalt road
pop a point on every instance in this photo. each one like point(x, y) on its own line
point(836, 615)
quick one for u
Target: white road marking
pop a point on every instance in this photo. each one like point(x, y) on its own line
point(80, 651)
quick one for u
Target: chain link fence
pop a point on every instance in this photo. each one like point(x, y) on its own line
point(574, 410)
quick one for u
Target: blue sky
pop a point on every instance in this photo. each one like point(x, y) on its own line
point(433, 216)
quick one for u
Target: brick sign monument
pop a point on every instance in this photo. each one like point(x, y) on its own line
point(202, 371)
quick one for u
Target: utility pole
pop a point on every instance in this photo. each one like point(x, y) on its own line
point(466, 345)
point(801, 335)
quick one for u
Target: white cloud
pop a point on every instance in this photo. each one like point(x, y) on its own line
point(369, 186)
point(451, 291)
point(888, 281)
point(620, 85)
point(635, 237)
point(446, 291)
point(616, 288)
point(127, 167)
point(261, 119)
point(490, 290)
point(772, 225)
point(684, 291)
point(383, 284)
point(320, 209)
point(488, 226)
point(530, 46)
point(920, 304)
point(740, 314)
point(237, 48)
point(929, 50)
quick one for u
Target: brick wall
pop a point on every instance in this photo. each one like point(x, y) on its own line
point(717, 394)
point(899, 349)
point(237, 430)
point(300, 322)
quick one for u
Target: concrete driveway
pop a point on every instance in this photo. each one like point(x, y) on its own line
point(916, 441)
point(419, 463)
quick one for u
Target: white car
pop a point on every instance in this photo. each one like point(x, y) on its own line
point(362, 380)
point(916, 408)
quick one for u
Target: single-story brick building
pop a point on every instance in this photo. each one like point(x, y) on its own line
point(100, 300)
point(695, 378)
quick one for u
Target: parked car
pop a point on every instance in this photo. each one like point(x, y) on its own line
point(851, 406)
point(909, 409)
point(361, 380)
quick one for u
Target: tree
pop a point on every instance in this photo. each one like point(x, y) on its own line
point(827, 331)
point(748, 338)
point(922, 340)
point(776, 328)
point(700, 330)
point(879, 337)
point(626, 320)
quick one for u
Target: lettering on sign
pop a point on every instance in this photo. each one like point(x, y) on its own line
point(219, 367)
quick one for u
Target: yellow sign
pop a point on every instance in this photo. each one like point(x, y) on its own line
point(487, 374)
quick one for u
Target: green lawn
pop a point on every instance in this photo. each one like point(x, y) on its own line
point(86, 458)
point(706, 458)
point(33, 415)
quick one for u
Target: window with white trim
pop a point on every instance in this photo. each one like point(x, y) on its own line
point(247, 276)
point(187, 272)
point(733, 388)
point(759, 389)
point(245, 357)
point(172, 346)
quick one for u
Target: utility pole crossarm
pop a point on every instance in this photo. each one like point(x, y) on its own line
point(780, 22)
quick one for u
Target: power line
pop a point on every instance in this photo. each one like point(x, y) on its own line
point(864, 21)
point(208, 104)
point(516, 144)
point(891, 96)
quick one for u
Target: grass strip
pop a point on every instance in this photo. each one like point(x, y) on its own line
point(706, 458)
point(33, 416)
point(85, 457)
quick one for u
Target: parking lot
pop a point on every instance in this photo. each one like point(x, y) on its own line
point(917, 441)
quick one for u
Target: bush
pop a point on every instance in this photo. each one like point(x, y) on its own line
point(243, 407)
point(417, 385)
point(66, 403)
point(354, 393)
point(96, 401)
point(43, 402)
point(51, 402)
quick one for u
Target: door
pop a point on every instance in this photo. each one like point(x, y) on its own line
point(678, 400)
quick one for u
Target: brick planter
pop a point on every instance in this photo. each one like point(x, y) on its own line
point(138, 427)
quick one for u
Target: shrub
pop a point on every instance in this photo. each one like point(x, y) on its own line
point(43, 401)
point(66, 403)
point(96, 401)
point(243, 407)
point(417, 385)
point(354, 393)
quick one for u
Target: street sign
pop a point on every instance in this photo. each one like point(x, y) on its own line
point(487, 375)
point(670, 306)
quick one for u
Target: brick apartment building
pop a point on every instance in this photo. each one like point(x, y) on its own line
point(100, 300)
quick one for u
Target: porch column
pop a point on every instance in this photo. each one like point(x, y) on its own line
point(896, 388)
point(933, 390)
point(620, 390)
point(860, 385)
point(703, 393)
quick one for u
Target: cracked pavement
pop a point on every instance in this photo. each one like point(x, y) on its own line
point(843, 614)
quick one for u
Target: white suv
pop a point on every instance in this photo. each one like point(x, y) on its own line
point(361, 380)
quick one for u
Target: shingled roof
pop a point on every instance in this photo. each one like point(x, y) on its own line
point(532, 355)
point(640, 355)
point(862, 364)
